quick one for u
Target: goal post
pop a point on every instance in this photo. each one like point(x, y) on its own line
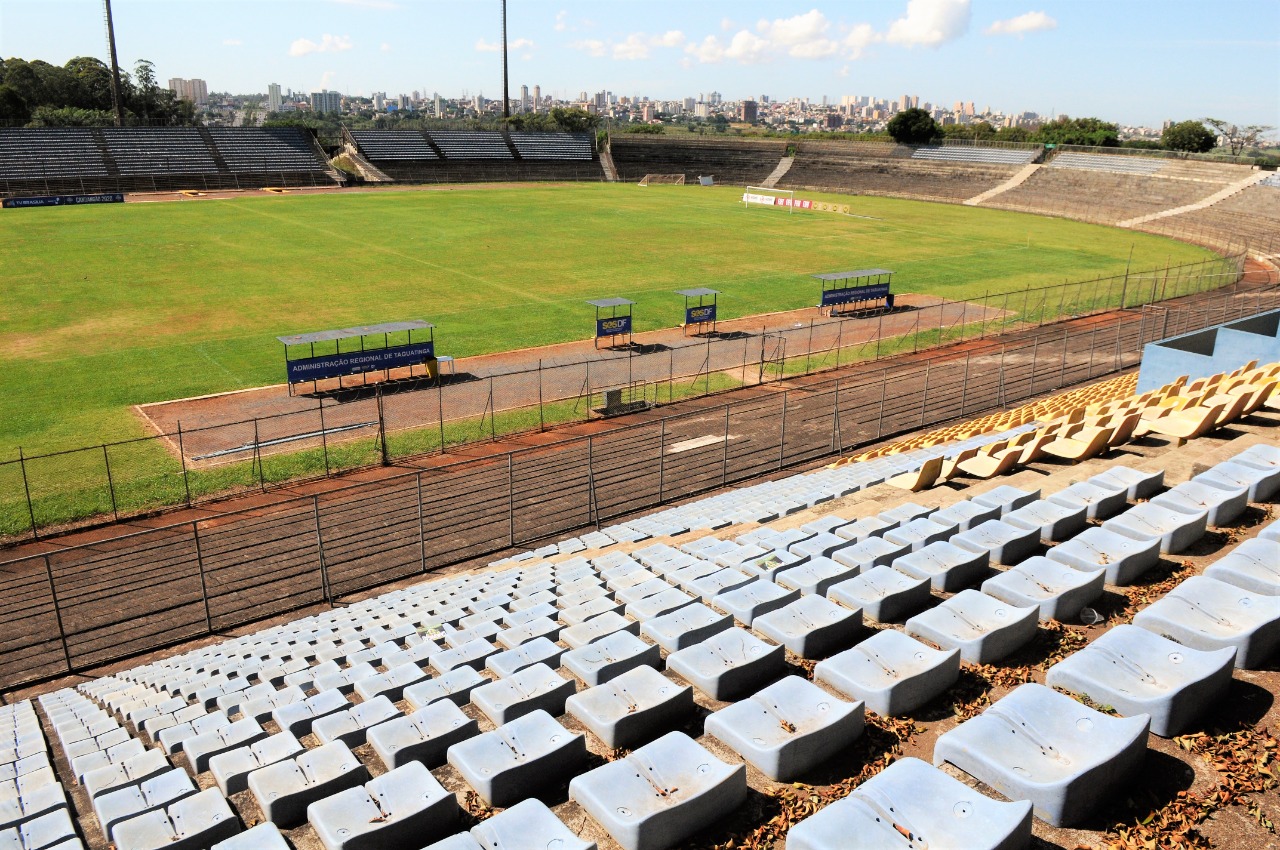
point(667, 179)
point(769, 197)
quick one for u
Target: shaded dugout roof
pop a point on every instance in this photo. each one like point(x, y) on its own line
point(610, 302)
point(856, 273)
point(697, 292)
point(364, 330)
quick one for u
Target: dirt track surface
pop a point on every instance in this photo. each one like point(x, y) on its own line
point(567, 368)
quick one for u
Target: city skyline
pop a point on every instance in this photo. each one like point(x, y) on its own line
point(1015, 55)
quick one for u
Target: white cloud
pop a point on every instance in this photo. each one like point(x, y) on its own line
point(496, 46)
point(709, 50)
point(747, 47)
point(561, 21)
point(384, 5)
point(858, 39)
point(930, 23)
point(727, 24)
point(638, 45)
point(328, 44)
point(803, 36)
point(1029, 22)
point(232, 42)
point(591, 46)
point(385, 48)
point(325, 79)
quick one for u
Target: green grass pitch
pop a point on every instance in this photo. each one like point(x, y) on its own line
point(109, 306)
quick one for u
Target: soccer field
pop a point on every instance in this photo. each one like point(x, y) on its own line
point(109, 306)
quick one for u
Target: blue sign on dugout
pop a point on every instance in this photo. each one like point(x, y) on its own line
point(700, 315)
point(613, 326)
point(355, 362)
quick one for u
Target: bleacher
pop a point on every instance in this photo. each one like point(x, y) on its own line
point(991, 156)
point(1251, 215)
point(1107, 162)
point(272, 150)
point(554, 146)
point(161, 151)
point(631, 686)
point(393, 145)
point(867, 168)
point(463, 144)
point(735, 162)
point(465, 156)
point(49, 160)
point(1111, 195)
point(148, 159)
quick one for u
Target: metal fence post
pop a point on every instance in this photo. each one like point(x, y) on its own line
point(110, 483)
point(964, 386)
point(257, 456)
point(182, 456)
point(809, 351)
point(782, 431)
point(57, 613)
point(26, 488)
point(924, 398)
point(1035, 350)
point(511, 496)
point(440, 407)
point(724, 473)
point(593, 509)
point(324, 438)
point(382, 430)
point(204, 588)
point(1062, 378)
point(839, 340)
point(542, 421)
point(324, 570)
point(884, 386)
point(422, 528)
point(838, 437)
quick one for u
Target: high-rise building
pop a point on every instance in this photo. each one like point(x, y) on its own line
point(379, 101)
point(689, 103)
point(193, 90)
point(405, 104)
point(904, 102)
point(749, 111)
point(326, 101)
point(478, 103)
point(524, 98)
point(273, 97)
point(537, 98)
point(439, 106)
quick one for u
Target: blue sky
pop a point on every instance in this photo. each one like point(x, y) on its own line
point(1132, 61)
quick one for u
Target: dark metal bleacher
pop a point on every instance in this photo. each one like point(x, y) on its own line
point(160, 151)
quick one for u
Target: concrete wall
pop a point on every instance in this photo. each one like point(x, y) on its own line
point(1207, 352)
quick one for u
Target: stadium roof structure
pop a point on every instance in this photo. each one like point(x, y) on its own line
point(346, 333)
point(610, 302)
point(852, 274)
point(697, 292)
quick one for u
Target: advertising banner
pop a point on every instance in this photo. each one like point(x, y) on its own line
point(795, 203)
point(63, 200)
point(832, 297)
point(355, 362)
point(699, 315)
point(613, 326)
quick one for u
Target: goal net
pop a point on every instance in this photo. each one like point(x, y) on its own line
point(769, 197)
point(672, 179)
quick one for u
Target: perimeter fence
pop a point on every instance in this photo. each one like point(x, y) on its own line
point(367, 426)
point(77, 607)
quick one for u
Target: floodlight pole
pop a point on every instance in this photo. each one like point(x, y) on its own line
point(506, 97)
point(116, 104)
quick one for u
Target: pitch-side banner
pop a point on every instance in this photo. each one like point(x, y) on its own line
point(797, 203)
point(355, 362)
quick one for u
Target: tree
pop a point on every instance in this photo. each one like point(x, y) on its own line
point(1013, 134)
point(914, 127)
point(1235, 138)
point(148, 89)
point(1189, 136)
point(1078, 131)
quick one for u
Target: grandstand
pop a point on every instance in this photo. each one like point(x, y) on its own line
point(146, 159)
point(1112, 187)
point(458, 156)
point(1253, 214)
point(938, 173)
point(735, 162)
point(631, 686)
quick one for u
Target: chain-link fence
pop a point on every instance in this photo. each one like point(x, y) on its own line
point(81, 606)
point(365, 427)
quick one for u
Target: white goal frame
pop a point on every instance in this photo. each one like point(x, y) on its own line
point(763, 190)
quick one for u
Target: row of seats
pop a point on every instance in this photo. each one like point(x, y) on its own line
point(411, 145)
point(279, 714)
point(1104, 162)
point(281, 149)
point(44, 153)
point(160, 151)
point(393, 145)
point(960, 153)
point(34, 811)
